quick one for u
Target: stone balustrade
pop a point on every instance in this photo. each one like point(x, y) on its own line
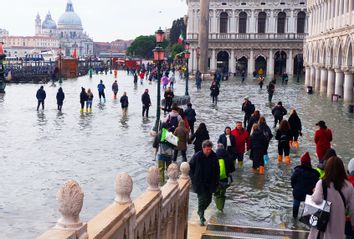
point(160, 213)
point(251, 36)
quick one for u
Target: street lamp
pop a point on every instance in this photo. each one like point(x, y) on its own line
point(59, 72)
point(187, 55)
point(159, 56)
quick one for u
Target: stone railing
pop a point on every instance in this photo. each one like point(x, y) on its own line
point(250, 36)
point(160, 213)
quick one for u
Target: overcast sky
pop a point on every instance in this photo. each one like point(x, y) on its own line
point(103, 20)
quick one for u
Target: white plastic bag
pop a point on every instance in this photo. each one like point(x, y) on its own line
point(171, 138)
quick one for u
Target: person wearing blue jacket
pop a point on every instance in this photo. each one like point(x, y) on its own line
point(60, 98)
point(101, 87)
point(41, 95)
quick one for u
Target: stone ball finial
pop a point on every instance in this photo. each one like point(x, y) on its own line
point(70, 198)
point(185, 170)
point(172, 173)
point(124, 187)
point(153, 179)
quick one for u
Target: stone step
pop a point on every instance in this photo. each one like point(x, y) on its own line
point(216, 231)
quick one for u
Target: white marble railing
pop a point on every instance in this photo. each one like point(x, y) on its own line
point(250, 36)
point(160, 213)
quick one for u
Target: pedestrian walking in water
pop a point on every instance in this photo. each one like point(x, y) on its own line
point(190, 114)
point(200, 135)
point(60, 98)
point(242, 140)
point(253, 120)
point(295, 127)
point(323, 138)
point(135, 79)
point(173, 118)
point(115, 89)
point(41, 95)
point(243, 76)
point(165, 81)
point(214, 92)
point(164, 153)
point(278, 112)
point(182, 134)
point(204, 172)
point(226, 167)
point(89, 101)
point(268, 135)
point(249, 109)
point(172, 81)
point(101, 87)
point(271, 89)
point(198, 80)
point(283, 135)
point(228, 142)
point(146, 101)
point(303, 181)
point(141, 76)
point(284, 78)
point(168, 99)
point(335, 188)
point(124, 104)
point(261, 81)
point(258, 144)
point(83, 99)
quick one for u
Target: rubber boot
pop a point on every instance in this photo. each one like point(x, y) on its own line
point(296, 144)
point(261, 170)
point(290, 143)
point(240, 164)
point(87, 110)
point(90, 110)
point(81, 110)
point(287, 159)
point(280, 158)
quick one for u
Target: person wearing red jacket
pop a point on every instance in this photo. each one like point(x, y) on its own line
point(323, 138)
point(242, 140)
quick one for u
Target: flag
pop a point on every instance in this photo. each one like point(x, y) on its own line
point(180, 39)
point(1, 49)
point(75, 54)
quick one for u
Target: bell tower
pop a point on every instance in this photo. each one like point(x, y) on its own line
point(38, 25)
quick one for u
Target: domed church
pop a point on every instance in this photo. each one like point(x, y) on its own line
point(69, 32)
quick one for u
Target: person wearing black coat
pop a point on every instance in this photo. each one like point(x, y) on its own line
point(145, 99)
point(199, 136)
point(258, 144)
point(295, 127)
point(253, 120)
point(283, 135)
point(60, 98)
point(204, 174)
point(229, 143)
point(124, 102)
point(226, 166)
point(303, 181)
point(278, 112)
point(248, 108)
point(267, 133)
point(41, 95)
point(83, 98)
point(214, 92)
point(190, 114)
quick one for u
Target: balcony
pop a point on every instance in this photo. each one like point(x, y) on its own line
point(251, 36)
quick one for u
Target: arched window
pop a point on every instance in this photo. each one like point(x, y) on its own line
point(301, 16)
point(281, 22)
point(224, 17)
point(242, 24)
point(262, 22)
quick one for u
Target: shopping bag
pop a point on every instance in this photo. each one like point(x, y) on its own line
point(171, 138)
point(316, 215)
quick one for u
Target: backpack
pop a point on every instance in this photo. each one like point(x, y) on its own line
point(172, 123)
point(252, 108)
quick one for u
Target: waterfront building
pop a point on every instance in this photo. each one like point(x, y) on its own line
point(328, 51)
point(3, 32)
point(250, 35)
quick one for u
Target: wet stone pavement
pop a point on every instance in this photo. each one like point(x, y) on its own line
point(39, 151)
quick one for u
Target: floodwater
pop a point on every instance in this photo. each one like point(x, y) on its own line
point(39, 151)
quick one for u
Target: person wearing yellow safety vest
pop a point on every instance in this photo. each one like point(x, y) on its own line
point(322, 164)
point(226, 166)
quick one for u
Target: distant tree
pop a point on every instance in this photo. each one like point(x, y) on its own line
point(178, 28)
point(142, 47)
point(176, 49)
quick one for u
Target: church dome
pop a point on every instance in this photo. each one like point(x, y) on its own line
point(70, 18)
point(49, 23)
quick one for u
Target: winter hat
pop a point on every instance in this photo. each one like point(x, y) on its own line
point(305, 159)
point(351, 166)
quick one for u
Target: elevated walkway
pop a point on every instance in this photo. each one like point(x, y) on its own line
point(216, 231)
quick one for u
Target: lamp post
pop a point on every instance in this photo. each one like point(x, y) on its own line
point(187, 56)
point(159, 56)
point(59, 65)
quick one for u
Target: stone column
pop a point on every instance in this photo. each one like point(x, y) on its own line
point(339, 82)
point(307, 76)
point(204, 35)
point(348, 86)
point(270, 67)
point(251, 63)
point(194, 61)
point(323, 86)
point(317, 78)
point(312, 76)
point(252, 23)
point(331, 82)
point(215, 22)
point(232, 27)
point(232, 64)
point(290, 63)
point(350, 12)
point(212, 61)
